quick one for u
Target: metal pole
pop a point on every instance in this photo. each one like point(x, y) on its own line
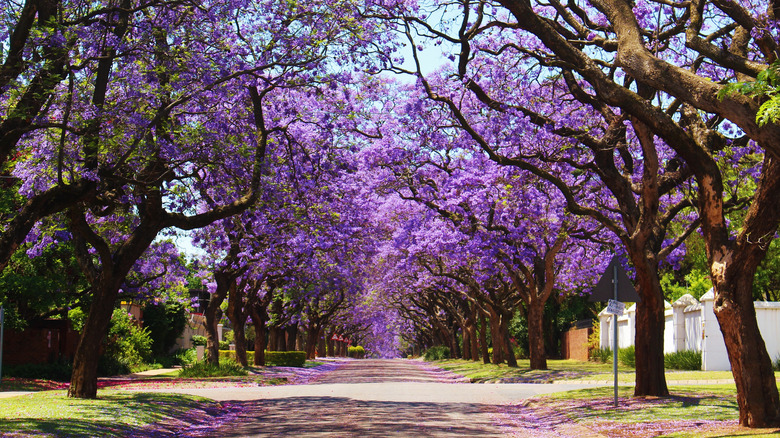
point(2, 322)
point(615, 334)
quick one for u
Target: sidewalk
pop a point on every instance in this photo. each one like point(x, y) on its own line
point(148, 373)
point(668, 382)
point(9, 394)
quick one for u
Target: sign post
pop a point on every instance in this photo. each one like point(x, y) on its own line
point(2, 323)
point(615, 333)
point(614, 287)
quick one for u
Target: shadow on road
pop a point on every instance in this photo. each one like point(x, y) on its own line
point(344, 417)
point(369, 372)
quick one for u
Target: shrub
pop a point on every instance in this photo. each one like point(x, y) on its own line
point(627, 356)
point(594, 339)
point(520, 352)
point(205, 369)
point(126, 346)
point(272, 358)
point(357, 352)
point(187, 356)
point(603, 355)
point(231, 355)
point(683, 360)
point(77, 318)
point(59, 371)
point(182, 356)
point(285, 358)
point(198, 340)
point(438, 352)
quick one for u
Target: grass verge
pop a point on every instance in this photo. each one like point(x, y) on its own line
point(557, 370)
point(690, 411)
point(112, 414)
point(569, 370)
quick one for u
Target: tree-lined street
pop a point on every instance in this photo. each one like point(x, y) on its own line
point(375, 398)
point(296, 174)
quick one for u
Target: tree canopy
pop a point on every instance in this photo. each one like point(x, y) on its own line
point(337, 186)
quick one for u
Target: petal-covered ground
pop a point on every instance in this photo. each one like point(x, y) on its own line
point(304, 412)
point(579, 418)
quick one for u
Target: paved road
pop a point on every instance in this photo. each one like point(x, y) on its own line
point(373, 398)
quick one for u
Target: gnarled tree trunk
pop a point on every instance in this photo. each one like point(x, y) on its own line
point(733, 266)
point(83, 382)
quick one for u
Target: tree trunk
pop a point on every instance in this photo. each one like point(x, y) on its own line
point(292, 334)
point(259, 311)
point(105, 283)
point(483, 339)
point(751, 366)
point(273, 338)
point(466, 343)
point(83, 381)
point(239, 333)
point(733, 266)
point(473, 344)
point(260, 342)
point(321, 349)
point(330, 344)
point(470, 327)
point(536, 351)
point(238, 317)
point(455, 345)
point(650, 320)
point(509, 354)
point(495, 333)
point(213, 314)
point(312, 337)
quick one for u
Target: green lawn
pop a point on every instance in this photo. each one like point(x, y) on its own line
point(689, 412)
point(113, 414)
point(703, 410)
point(558, 370)
point(569, 370)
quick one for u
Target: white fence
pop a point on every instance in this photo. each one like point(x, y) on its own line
point(691, 325)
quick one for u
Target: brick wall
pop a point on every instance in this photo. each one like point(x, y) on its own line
point(575, 343)
point(45, 342)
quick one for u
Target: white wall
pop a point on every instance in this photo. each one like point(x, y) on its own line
point(713, 347)
point(669, 330)
point(691, 325)
point(768, 316)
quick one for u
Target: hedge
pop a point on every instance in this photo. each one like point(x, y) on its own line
point(272, 358)
point(358, 352)
point(285, 358)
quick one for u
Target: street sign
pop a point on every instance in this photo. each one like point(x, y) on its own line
point(605, 288)
point(614, 287)
point(2, 322)
point(615, 308)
